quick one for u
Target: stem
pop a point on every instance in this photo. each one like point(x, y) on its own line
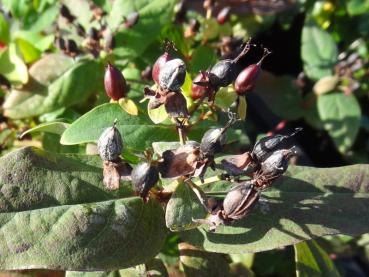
point(181, 131)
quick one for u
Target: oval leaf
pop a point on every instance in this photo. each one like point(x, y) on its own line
point(137, 131)
point(309, 203)
point(55, 213)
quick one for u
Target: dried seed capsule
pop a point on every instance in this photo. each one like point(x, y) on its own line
point(93, 34)
point(110, 144)
point(265, 146)
point(114, 82)
point(214, 139)
point(239, 201)
point(223, 15)
point(236, 165)
point(223, 73)
point(176, 105)
point(276, 164)
point(60, 43)
point(71, 46)
point(144, 176)
point(65, 12)
point(172, 75)
point(245, 81)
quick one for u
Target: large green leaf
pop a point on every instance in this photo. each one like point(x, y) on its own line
point(312, 260)
point(341, 116)
point(56, 81)
point(55, 213)
point(138, 132)
point(280, 94)
point(153, 15)
point(318, 51)
point(306, 203)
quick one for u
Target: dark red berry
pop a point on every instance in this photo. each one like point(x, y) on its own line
point(114, 82)
point(197, 90)
point(223, 15)
point(246, 80)
point(158, 64)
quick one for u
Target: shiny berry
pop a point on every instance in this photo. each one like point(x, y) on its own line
point(172, 75)
point(163, 59)
point(114, 82)
point(197, 90)
point(223, 73)
point(246, 80)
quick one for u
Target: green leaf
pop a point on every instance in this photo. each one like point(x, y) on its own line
point(341, 118)
point(4, 29)
point(305, 204)
point(48, 127)
point(312, 260)
point(12, 66)
point(225, 97)
point(280, 94)
point(153, 14)
point(318, 51)
point(56, 82)
point(55, 213)
point(182, 207)
point(137, 131)
point(203, 57)
point(199, 263)
point(357, 7)
point(29, 52)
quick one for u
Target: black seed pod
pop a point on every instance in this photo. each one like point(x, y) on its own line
point(60, 43)
point(239, 201)
point(172, 75)
point(110, 144)
point(65, 12)
point(265, 146)
point(213, 141)
point(223, 73)
point(71, 46)
point(93, 34)
point(277, 163)
point(144, 176)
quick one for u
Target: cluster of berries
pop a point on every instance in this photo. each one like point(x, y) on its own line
point(263, 165)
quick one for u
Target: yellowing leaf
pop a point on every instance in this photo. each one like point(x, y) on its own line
point(128, 105)
point(242, 107)
point(158, 115)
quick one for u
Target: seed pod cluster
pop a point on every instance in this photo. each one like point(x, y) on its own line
point(169, 75)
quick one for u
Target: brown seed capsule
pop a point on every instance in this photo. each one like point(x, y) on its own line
point(144, 176)
point(110, 144)
point(176, 105)
point(246, 80)
point(172, 75)
point(236, 165)
point(276, 164)
point(114, 82)
point(239, 201)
